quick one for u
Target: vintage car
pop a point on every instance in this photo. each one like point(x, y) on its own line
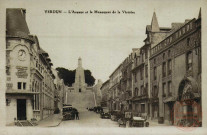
point(116, 115)
point(133, 121)
point(104, 115)
point(98, 109)
point(69, 113)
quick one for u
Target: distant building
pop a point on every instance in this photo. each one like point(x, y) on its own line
point(115, 89)
point(30, 81)
point(97, 92)
point(105, 94)
point(59, 94)
point(127, 82)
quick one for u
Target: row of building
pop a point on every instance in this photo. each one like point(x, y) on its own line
point(162, 79)
point(34, 90)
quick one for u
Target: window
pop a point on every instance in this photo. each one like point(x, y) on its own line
point(142, 108)
point(195, 43)
point(180, 33)
point(188, 41)
point(142, 90)
point(141, 73)
point(163, 56)
point(142, 57)
point(169, 53)
point(154, 92)
point(146, 70)
point(164, 89)
point(183, 30)
point(191, 26)
point(164, 69)
point(189, 61)
point(187, 27)
point(19, 85)
point(155, 73)
point(170, 39)
point(135, 77)
point(169, 88)
point(24, 86)
point(136, 92)
point(146, 88)
point(169, 66)
point(154, 60)
point(146, 54)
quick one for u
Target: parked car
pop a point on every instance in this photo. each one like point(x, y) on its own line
point(104, 115)
point(69, 113)
point(133, 121)
point(116, 115)
point(98, 109)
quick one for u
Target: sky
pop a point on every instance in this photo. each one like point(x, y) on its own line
point(103, 41)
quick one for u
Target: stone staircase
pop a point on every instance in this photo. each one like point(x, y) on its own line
point(81, 99)
point(24, 123)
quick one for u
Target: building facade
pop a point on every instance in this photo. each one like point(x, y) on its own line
point(161, 81)
point(176, 60)
point(59, 98)
point(30, 81)
point(105, 94)
point(115, 89)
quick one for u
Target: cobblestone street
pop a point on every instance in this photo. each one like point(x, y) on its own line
point(89, 119)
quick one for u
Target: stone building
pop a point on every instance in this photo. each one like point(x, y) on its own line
point(30, 81)
point(105, 94)
point(175, 65)
point(165, 75)
point(59, 94)
point(115, 89)
point(126, 82)
point(97, 93)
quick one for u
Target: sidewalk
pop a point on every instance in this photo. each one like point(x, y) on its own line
point(154, 123)
point(51, 121)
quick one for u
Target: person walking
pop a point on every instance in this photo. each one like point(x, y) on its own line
point(77, 115)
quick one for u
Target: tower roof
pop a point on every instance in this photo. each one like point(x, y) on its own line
point(154, 24)
point(16, 24)
point(199, 15)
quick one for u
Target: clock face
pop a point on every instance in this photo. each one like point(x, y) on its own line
point(21, 55)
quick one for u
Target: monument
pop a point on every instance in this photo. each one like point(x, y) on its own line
point(79, 84)
point(80, 95)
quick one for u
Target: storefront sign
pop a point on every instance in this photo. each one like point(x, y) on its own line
point(21, 72)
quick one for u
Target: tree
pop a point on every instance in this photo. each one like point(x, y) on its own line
point(68, 76)
point(89, 79)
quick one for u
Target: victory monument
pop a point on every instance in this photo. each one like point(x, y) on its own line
point(80, 95)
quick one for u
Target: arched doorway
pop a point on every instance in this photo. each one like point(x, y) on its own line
point(187, 109)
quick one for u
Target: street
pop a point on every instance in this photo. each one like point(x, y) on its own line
point(89, 119)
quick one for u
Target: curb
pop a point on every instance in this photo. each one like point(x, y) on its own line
point(55, 125)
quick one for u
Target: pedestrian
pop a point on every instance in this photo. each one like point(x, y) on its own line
point(77, 115)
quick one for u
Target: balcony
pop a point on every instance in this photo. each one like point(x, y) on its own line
point(141, 97)
point(20, 92)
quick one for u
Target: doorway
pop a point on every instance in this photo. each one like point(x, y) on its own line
point(21, 109)
point(79, 90)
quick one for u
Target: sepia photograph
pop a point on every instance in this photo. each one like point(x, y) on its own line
point(118, 65)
